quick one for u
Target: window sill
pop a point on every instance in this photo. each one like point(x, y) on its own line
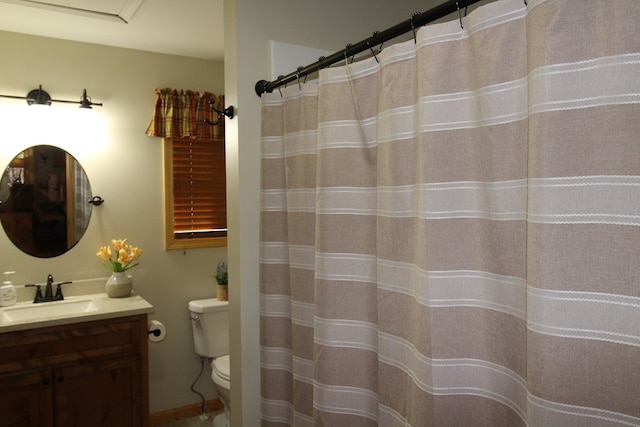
point(196, 242)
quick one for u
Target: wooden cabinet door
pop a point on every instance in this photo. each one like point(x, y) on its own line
point(26, 400)
point(100, 393)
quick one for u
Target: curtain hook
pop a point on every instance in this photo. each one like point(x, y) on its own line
point(413, 28)
point(279, 86)
point(372, 52)
point(459, 16)
point(375, 34)
point(320, 61)
point(298, 77)
point(525, 2)
point(346, 50)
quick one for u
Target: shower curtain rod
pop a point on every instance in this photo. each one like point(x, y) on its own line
point(378, 37)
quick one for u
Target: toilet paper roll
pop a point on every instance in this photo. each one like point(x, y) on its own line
point(156, 331)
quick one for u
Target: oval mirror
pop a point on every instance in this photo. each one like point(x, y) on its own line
point(44, 195)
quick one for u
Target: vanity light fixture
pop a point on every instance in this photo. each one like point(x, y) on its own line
point(41, 97)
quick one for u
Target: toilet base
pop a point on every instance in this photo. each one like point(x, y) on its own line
point(221, 420)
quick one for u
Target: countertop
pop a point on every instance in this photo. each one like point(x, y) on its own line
point(83, 290)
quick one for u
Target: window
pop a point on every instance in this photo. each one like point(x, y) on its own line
point(195, 193)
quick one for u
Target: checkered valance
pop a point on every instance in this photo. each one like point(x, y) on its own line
point(182, 114)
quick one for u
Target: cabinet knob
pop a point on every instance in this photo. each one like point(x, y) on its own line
point(45, 381)
point(60, 379)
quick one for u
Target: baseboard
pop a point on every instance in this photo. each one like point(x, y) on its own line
point(176, 414)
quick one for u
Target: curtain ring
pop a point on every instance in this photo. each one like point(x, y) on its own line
point(298, 77)
point(346, 49)
point(372, 52)
point(413, 28)
point(375, 33)
point(459, 16)
point(279, 86)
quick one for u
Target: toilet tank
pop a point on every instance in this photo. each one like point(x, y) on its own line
point(210, 325)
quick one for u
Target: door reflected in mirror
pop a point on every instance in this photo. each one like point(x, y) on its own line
point(44, 195)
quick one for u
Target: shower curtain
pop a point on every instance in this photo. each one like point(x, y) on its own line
point(450, 237)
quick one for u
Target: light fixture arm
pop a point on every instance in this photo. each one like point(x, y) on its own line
point(229, 112)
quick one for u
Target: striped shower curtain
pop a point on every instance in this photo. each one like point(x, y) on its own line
point(451, 236)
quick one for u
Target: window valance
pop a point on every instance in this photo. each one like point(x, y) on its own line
point(182, 114)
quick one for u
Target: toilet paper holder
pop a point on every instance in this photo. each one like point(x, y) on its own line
point(154, 332)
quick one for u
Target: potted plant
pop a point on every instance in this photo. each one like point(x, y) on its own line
point(221, 277)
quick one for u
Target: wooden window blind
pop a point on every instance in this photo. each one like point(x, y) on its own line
point(197, 212)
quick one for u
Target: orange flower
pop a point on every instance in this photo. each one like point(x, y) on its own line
point(125, 255)
point(104, 253)
point(119, 244)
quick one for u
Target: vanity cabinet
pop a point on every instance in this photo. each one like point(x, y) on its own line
point(26, 400)
point(77, 375)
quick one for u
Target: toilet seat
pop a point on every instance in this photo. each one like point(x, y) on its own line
point(221, 367)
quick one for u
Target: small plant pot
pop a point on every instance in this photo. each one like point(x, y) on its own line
point(223, 293)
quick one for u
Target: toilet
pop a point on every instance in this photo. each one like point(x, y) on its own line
point(210, 324)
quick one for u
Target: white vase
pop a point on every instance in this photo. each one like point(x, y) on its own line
point(119, 285)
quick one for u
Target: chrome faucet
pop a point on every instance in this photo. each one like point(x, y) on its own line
point(48, 291)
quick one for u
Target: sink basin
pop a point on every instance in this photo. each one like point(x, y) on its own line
point(47, 310)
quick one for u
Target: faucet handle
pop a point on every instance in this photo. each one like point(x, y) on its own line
point(59, 290)
point(38, 291)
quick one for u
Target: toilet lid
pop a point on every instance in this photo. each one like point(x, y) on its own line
point(221, 366)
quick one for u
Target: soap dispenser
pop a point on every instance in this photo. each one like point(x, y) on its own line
point(7, 291)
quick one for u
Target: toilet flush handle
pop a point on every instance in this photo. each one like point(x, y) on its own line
point(195, 318)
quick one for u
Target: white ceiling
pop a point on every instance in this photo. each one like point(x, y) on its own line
point(191, 28)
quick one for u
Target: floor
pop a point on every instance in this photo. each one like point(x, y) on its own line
point(194, 422)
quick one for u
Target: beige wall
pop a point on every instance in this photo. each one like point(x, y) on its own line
point(249, 26)
point(124, 167)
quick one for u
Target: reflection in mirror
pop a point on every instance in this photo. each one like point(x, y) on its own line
point(43, 201)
